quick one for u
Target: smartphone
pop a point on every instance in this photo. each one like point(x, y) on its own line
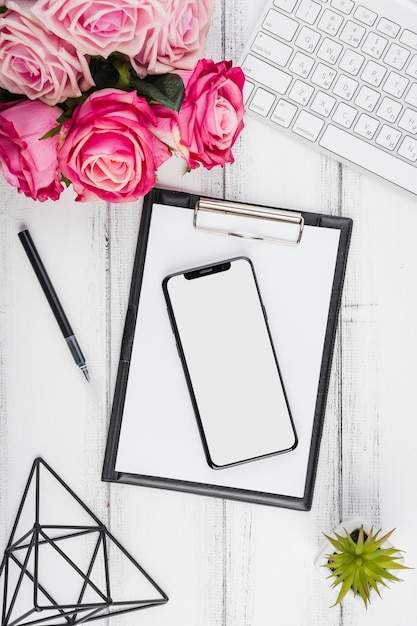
point(229, 361)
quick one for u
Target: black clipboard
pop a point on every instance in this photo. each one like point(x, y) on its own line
point(338, 229)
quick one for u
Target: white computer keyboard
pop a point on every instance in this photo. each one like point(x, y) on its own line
point(342, 77)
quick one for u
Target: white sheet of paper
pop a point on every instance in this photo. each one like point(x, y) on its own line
point(159, 434)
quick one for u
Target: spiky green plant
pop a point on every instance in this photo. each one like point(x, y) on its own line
point(362, 565)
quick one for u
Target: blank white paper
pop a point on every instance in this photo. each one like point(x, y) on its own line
point(159, 433)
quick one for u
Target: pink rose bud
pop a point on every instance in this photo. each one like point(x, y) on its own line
point(106, 148)
point(28, 162)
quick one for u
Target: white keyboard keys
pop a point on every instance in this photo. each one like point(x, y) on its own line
point(345, 87)
point(408, 121)
point(262, 102)
point(280, 25)
point(330, 22)
point(323, 76)
point(396, 56)
point(301, 92)
point(365, 16)
point(351, 62)
point(389, 110)
point(323, 103)
point(285, 5)
point(373, 73)
point(367, 98)
point(271, 49)
point(307, 39)
point(329, 50)
point(366, 126)
point(408, 149)
point(386, 27)
point(395, 85)
point(284, 113)
point(374, 45)
point(411, 97)
point(388, 137)
point(344, 6)
point(269, 76)
point(308, 11)
point(412, 67)
point(308, 126)
point(344, 115)
point(409, 39)
point(301, 64)
point(355, 150)
point(352, 34)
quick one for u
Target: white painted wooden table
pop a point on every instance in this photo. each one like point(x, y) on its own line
point(222, 563)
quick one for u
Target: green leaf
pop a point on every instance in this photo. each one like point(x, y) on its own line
point(3, 9)
point(6, 96)
point(104, 73)
point(166, 89)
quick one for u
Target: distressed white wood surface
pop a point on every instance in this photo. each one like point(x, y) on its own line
point(222, 563)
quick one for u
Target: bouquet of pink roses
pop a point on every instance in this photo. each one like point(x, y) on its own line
point(100, 94)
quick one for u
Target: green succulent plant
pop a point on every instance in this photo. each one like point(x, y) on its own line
point(360, 563)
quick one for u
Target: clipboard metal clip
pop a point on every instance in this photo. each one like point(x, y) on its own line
point(268, 225)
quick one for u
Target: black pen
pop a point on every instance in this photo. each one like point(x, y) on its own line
point(54, 303)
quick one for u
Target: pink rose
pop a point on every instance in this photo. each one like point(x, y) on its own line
point(102, 27)
point(36, 63)
point(178, 41)
point(211, 115)
point(27, 162)
point(106, 148)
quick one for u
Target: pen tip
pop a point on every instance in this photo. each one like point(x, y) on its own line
point(86, 374)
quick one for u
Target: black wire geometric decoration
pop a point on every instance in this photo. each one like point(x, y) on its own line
point(57, 574)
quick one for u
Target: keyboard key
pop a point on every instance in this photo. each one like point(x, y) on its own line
point(367, 98)
point(284, 113)
point(352, 34)
point(388, 137)
point(280, 25)
point(266, 74)
point(262, 102)
point(307, 39)
point(408, 38)
point(351, 62)
point(411, 97)
point(374, 45)
point(271, 49)
point(308, 11)
point(301, 92)
point(344, 115)
point(395, 85)
point(323, 103)
point(408, 149)
point(355, 150)
point(285, 5)
point(396, 56)
point(308, 126)
point(412, 67)
point(366, 126)
point(408, 121)
point(373, 73)
point(389, 110)
point(301, 64)
point(248, 87)
point(365, 16)
point(323, 76)
point(344, 6)
point(329, 50)
point(330, 22)
point(345, 87)
point(386, 27)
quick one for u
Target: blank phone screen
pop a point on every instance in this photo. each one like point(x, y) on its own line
point(230, 363)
